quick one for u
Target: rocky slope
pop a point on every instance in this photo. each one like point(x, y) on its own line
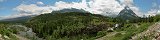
point(152, 33)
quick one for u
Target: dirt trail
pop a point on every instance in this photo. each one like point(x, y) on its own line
point(105, 37)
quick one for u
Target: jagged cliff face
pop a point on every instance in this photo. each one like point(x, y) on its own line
point(127, 15)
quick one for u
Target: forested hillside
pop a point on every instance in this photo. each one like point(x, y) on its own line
point(77, 25)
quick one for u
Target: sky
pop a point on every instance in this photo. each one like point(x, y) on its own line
point(18, 8)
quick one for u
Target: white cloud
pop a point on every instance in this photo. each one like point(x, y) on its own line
point(104, 7)
point(158, 12)
point(34, 9)
point(137, 11)
point(126, 2)
point(134, 8)
point(159, 9)
point(1, 0)
point(154, 5)
point(152, 12)
point(61, 5)
point(40, 3)
point(93, 6)
point(31, 9)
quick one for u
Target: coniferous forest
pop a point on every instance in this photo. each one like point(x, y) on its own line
point(79, 25)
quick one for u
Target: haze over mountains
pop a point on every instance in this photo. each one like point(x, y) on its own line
point(25, 18)
point(125, 14)
point(104, 7)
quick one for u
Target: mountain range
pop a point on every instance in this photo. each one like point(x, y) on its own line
point(127, 15)
point(25, 18)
